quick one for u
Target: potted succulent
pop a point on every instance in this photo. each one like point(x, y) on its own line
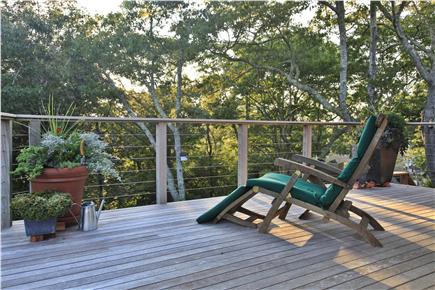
point(40, 210)
point(393, 141)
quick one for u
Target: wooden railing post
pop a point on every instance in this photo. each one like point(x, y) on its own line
point(34, 133)
point(307, 141)
point(161, 164)
point(242, 163)
point(6, 159)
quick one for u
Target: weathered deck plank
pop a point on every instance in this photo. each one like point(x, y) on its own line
point(161, 246)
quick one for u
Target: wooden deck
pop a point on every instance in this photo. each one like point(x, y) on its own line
point(161, 246)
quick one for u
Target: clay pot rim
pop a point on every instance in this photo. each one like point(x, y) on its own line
point(53, 173)
point(75, 169)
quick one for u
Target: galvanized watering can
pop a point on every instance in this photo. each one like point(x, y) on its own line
point(89, 216)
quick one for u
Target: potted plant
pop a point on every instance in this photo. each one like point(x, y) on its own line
point(40, 210)
point(62, 160)
point(393, 141)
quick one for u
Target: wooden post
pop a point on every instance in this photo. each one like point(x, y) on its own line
point(6, 159)
point(242, 164)
point(307, 141)
point(34, 132)
point(161, 164)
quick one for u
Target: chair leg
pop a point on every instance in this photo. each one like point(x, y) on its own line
point(362, 231)
point(235, 205)
point(264, 226)
point(305, 215)
point(284, 210)
point(371, 220)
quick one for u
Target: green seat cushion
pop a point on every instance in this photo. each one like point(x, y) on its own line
point(307, 192)
point(302, 190)
point(272, 181)
point(365, 139)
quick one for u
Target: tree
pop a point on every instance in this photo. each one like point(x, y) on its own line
point(45, 52)
point(154, 59)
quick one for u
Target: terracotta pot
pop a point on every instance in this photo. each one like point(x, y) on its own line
point(67, 180)
point(382, 165)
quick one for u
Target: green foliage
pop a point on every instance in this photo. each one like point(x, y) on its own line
point(40, 205)
point(395, 135)
point(31, 162)
point(58, 127)
point(47, 51)
point(64, 152)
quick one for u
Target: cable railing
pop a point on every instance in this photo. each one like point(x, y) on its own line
point(218, 155)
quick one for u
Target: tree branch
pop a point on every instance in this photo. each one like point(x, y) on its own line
point(303, 87)
point(406, 43)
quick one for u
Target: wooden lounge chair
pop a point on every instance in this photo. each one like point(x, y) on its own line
point(307, 189)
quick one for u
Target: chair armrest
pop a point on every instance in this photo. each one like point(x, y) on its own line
point(292, 165)
point(317, 164)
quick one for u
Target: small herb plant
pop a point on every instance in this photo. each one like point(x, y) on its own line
point(39, 206)
point(395, 135)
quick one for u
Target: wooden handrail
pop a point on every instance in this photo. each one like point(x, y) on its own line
point(24, 117)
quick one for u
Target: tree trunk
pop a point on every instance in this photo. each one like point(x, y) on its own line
point(372, 57)
point(171, 185)
point(343, 60)
point(429, 131)
point(178, 163)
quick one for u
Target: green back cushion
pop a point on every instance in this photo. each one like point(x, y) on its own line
point(275, 182)
point(366, 137)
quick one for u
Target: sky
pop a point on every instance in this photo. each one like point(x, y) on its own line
point(100, 6)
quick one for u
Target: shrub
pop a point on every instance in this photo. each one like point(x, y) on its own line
point(40, 206)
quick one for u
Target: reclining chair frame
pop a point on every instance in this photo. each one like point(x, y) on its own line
point(317, 172)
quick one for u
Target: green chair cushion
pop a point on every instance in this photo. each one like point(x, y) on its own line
point(365, 139)
point(276, 182)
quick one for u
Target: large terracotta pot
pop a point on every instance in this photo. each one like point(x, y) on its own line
point(67, 180)
point(382, 165)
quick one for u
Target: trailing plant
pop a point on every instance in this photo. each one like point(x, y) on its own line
point(396, 133)
point(39, 206)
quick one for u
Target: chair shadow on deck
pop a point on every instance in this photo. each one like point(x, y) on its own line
point(329, 255)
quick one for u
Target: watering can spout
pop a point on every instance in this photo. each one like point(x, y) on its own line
point(100, 208)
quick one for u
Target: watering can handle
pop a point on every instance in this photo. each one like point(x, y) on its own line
point(101, 207)
point(74, 216)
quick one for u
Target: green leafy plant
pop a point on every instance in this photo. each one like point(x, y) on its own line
point(66, 152)
point(31, 162)
point(39, 206)
point(63, 147)
point(396, 133)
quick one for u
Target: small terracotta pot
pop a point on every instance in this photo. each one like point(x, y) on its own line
point(67, 180)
